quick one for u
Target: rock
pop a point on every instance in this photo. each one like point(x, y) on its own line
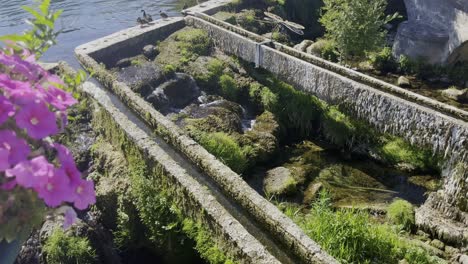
point(303, 45)
point(311, 193)
point(263, 137)
point(403, 82)
point(437, 244)
point(176, 92)
point(422, 235)
point(142, 78)
point(279, 181)
point(455, 94)
point(451, 250)
point(123, 63)
point(435, 31)
point(150, 51)
point(463, 259)
point(403, 261)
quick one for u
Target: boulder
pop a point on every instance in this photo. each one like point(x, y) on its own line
point(311, 193)
point(150, 51)
point(141, 78)
point(123, 63)
point(263, 137)
point(279, 181)
point(463, 259)
point(177, 92)
point(404, 82)
point(437, 244)
point(435, 30)
point(303, 45)
point(456, 94)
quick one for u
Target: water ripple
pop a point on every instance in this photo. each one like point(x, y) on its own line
point(83, 20)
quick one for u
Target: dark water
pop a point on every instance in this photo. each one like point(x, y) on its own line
point(83, 20)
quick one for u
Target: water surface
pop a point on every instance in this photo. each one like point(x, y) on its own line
point(83, 20)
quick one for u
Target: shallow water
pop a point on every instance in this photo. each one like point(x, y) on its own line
point(83, 20)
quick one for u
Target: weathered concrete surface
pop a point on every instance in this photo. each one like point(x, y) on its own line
point(436, 30)
point(420, 125)
point(190, 193)
point(282, 229)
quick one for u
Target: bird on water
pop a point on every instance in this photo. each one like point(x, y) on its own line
point(163, 14)
point(147, 17)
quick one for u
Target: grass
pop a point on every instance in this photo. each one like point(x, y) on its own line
point(61, 248)
point(401, 212)
point(227, 149)
point(228, 86)
point(352, 237)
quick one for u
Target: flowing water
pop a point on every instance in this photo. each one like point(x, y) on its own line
point(84, 20)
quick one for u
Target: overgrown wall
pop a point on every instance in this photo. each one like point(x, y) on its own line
point(388, 113)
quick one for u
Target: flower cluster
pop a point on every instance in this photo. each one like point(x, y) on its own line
point(33, 107)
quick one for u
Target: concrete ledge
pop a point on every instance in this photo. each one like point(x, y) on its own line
point(193, 198)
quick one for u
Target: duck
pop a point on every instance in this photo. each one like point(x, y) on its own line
point(142, 21)
point(163, 14)
point(147, 17)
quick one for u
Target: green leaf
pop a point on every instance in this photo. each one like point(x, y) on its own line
point(44, 7)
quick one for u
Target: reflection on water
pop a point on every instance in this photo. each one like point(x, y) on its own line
point(84, 20)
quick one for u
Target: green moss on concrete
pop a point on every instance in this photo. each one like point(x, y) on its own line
point(337, 127)
point(396, 151)
point(204, 244)
point(157, 203)
point(61, 248)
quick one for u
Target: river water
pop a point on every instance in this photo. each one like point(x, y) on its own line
point(83, 20)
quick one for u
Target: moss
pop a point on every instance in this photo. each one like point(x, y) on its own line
point(401, 212)
point(61, 248)
point(396, 150)
point(204, 244)
point(384, 61)
point(229, 88)
point(182, 47)
point(169, 69)
point(337, 127)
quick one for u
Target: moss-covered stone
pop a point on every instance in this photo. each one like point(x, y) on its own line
point(182, 47)
point(263, 138)
point(279, 181)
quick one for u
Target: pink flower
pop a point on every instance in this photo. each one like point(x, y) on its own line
point(29, 70)
point(59, 98)
point(4, 163)
point(67, 162)
point(32, 173)
point(8, 186)
point(6, 109)
point(69, 218)
point(17, 148)
point(54, 189)
point(24, 95)
point(84, 194)
point(38, 121)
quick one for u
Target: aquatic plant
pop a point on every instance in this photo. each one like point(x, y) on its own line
point(62, 248)
point(33, 109)
point(396, 150)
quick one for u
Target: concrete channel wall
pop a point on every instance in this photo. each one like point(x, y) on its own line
point(119, 124)
point(127, 42)
point(389, 113)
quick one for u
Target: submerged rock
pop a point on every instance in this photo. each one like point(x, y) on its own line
point(141, 78)
point(455, 94)
point(279, 181)
point(176, 92)
point(150, 51)
point(312, 192)
point(403, 82)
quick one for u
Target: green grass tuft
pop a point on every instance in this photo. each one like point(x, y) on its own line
point(61, 248)
point(401, 212)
